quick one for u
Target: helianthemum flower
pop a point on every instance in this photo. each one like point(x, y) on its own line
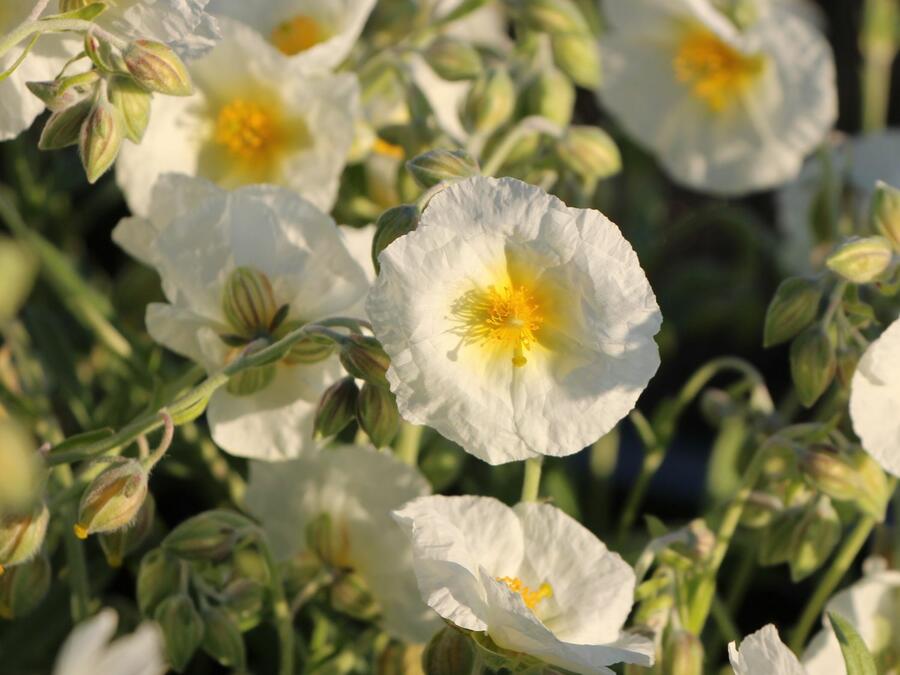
point(875, 399)
point(725, 109)
point(239, 267)
point(532, 578)
point(255, 118)
point(516, 326)
point(764, 652)
point(355, 489)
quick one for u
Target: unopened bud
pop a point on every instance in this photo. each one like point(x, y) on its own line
point(351, 596)
point(578, 56)
point(377, 415)
point(793, 307)
point(885, 212)
point(589, 152)
point(391, 225)
point(760, 509)
point(222, 639)
point(134, 103)
point(875, 490)
point(311, 349)
point(113, 499)
point(251, 380)
point(815, 537)
point(328, 540)
point(684, 654)
point(63, 93)
point(63, 128)
point(861, 260)
point(245, 601)
point(453, 59)
point(450, 652)
point(489, 103)
point(364, 358)
point(829, 472)
point(248, 301)
point(101, 138)
point(551, 95)
point(813, 364)
point(22, 536)
point(847, 360)
point(24, 587)
point(552, 16)
point(102, 53)
point(777, 545)
point(437, 166)
point(337, 408)
point(182, 627)
point(208, 536)
point(654, 612)
point(401, 659)
point(159, 576)
point(158, 68)
point(116, 545)
point(22, 471)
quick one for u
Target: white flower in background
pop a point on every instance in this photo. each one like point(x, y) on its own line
point(357, 488)
point(764, 652)
point(872, 605)
point(854, 163)
point(197, 236)
point(88, 650)
point(516, 326)
point(532, 578)
point(725, 110)
point(875, 399)
point(359, 243)
point(317, 35)
point(255, 118)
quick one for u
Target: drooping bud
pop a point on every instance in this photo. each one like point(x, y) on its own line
point(22, 536)
point(551, 95)
point(450, 652)
point(829, 472)
point(251, 380)
point(815, 537)
point(63, 93)
point(590, 152)
point(683, 654)
point(875, 491)
point(436, 166)
point(63, 128)
point(182, 627)
point(777, 545)
point(861, 260)
point(245, 601)
point(351, 596)
point(337, 408)
point(101, 138)
point(222, 639)
point(489, 103)
point(299, 570)
point(312, 349)
point(453, 59)
point(392, 224)
point(793, 307)
point(885, 212)
point(134, 103)
point(158, 68)
point(24, 587)
point(159, 577)
point(102, 53)
point(22, 472)
point(208, 536)
point(113, 499)
point(248, 301)
point(578, 56)
point(552, 16)
point(363, 357)
point(813, 364)
point(116, 545)
point(377, 415)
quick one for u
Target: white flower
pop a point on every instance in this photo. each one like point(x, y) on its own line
point(255, 118)
point(88, 650)
point(872, 605)
point(357, 488)
point(196, 236)
point(359, 243)
point(532, 578)
point(875, 399)
point(725, 110)
point(317, 35)
point(516, 326)
point(764, 652)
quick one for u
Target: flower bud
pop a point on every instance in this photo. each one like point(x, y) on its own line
point(328, 540)
point(22, 471)
point(861, 260)
point(116, 545)
point(248, 301)
point(885, 212)
point(251, 380)
point(401, 659)
point(552, 16)
point(683, 654)
point(311, 349)
point(102, 53)
point(829, 472)
point(551, 95)
point(208, 536)
point(813, 364)
point(489, 103)
point(589, 152)
point(101, 138)
point(182, 627)
point(113, 499)
point(245, 601)
point(159, 576)
point(391, 225)
point(158, 68)
point(222, 639)
point(63, 93)
point(578, 56)
point(337, 408)
point(437, 166)
point(299, 571)
point(377, 415)
point(24, 587)
point(189, 407)
point(63, 128)
point(777, 545)
point(793, 307)
point(450, 652)
point(22, 536)
point(351, 596)
point(875, 491)
point(453, 59)
point(364, 358)
point(760, 509)
point(654, 612)
point(133, 102)
point(815, 537)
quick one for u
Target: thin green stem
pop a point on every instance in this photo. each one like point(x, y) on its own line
point(724, 622)
point(526, 126)
point(29, 28)
point(409, 443)
point(654, 453)
point(283, 619)
point(878, 44)
point(531, 484)
point(80, 603)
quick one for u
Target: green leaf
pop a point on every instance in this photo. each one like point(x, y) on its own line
point(87, 438)
point(857, 657)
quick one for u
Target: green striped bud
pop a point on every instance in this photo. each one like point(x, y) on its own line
point(391, 225)
point(815, 537)
point(438, 166)
point(251, 380)
point(222, 639)
point(337, 408)
point(450, 652)
point(208, 536)
point(248, 301)
point(376, 413)
point(363, 357)
point(350, 595)
point(24, 587)
point(578, 56)
point(489, 103)
point(113, 499)
point(116, 545)
point(133, 102)
point(158, 68)
point(159, 576)
point(101, 138)
point(813, 364)
point(551, 95)
point(182, 627)
point(861, 260)
point(589, 152)
point(22, 536)
point(63, 128)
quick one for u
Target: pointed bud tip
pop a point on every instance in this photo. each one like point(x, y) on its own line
point(81, 531)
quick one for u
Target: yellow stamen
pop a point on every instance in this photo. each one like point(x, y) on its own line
point(246, 129)
point(80, 531)
point(531, 598)
point(382, 147)
point(715, 71)
point(2, 570)
point(297, 35)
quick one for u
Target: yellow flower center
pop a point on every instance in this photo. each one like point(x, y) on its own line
point(297, 35)
point(382, 147)
point(246, 129)
point(507, 316)
point(531, 598)
point(715, 71)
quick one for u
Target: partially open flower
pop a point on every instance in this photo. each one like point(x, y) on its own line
point(764, 652)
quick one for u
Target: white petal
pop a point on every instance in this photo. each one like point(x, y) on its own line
point(182, 24)
point(85, 645)
point(188, 334)
point(141, 653)
point(764, 652)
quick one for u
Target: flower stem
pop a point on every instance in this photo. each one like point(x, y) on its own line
point(532, 481)
point(878, 44)
point(409, 443)
point(29, 28)
point(280, 608)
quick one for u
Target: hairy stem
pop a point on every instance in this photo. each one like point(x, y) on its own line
point(532, 482)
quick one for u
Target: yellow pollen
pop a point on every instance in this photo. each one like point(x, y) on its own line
point(714, 70)
point(2, 570)
point(382, 147)
point(512, 317)
point(531, 598)
point(246, 129)
point(297, 35)
point(81, 531)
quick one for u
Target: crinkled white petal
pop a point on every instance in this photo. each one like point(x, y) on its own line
point(85, 644)
point(764, 652)
point(359, 243)
point(182, 24)
point(875, 399)
point(87, 650)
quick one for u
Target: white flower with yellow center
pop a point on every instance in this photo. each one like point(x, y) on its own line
point(764, 652)
point(875, 399)
point(88, 650)
point(255, 118)
point(356, 488)
point(532, 578)
point(276, 250)
point(516, 326)
point(725, 110)
point(317, 35)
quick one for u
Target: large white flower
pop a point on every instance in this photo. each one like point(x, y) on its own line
point(88, 650)
point(764, 652)
point(516, 326)
point(532, 578)
point(317, 35)
point(196, 236)
point(255, 118)
point(872, 605)
point(725, 110)
point(357, 488)
point(875, 399)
